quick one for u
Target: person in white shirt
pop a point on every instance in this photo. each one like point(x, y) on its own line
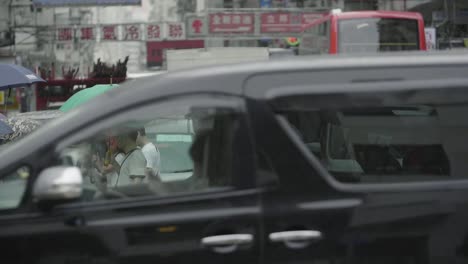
point(151, 153)
point(132, 169)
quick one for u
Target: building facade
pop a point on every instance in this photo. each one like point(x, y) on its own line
point(30, 34)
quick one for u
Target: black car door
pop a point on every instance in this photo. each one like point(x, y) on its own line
point(368, 177)
point(203, 208)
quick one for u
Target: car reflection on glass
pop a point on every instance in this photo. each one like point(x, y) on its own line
point(174, 152)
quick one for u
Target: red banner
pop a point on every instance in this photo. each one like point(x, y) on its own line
point(87, 33)
point(308, 18)
point(231, 23)
point(132, 32)
point(64, 34)
point(109, 32)
point(153, 32)
point(285, 22)
point(175, 31)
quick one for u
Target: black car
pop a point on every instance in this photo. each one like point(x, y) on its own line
point(312, 160)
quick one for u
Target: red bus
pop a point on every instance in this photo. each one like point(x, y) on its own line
point(363, 31)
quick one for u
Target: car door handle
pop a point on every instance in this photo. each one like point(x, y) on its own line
point(224, 244)
point(227, 240)
point(299, 235)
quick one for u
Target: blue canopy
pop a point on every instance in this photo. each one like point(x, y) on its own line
point(14, 75)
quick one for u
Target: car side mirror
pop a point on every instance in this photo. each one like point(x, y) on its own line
point(58, 184)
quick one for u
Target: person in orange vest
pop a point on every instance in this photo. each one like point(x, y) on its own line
point(293, 42)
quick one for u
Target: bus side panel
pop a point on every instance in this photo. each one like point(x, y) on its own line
point(333, 35)
point(422, 34)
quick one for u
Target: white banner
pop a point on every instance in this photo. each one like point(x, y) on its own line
point(431, 42)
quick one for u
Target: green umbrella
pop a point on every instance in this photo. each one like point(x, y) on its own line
point(85, 95)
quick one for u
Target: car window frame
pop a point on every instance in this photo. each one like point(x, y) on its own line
point(21, 206)
point(85, 132)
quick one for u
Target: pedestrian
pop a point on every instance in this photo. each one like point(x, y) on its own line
point(109, 164)
point(151, 153)
point(132, 168)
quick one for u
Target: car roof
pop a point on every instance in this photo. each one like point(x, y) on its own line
point(379, 14)
point(364, 14)
point(230, 78)
point(255, 80)
point(252, 80)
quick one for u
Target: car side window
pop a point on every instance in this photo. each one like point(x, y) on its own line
point(173, 147)
point(391, 143)
point(13, 187)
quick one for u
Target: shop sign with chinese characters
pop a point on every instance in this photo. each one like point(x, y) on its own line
point(64, 34)
point(126, 32)
point(132, 32)
point(109, 32)
point(153, 32)
point(175, 31)
point(286, 22)
point(231, 23)
point(87, 34)
point(196, 26)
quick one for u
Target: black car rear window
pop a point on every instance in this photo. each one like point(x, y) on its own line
point(399, 143)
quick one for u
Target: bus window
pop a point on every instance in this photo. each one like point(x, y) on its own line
point(377, 35)
point(316, 39)
point(364, 32)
